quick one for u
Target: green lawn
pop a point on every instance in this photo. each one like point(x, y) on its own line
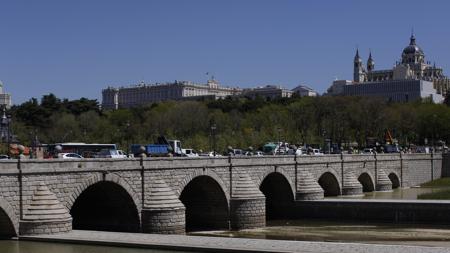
point(441, 182)
point(444, 194)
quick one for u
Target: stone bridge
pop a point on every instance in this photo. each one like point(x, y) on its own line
point(175, 195)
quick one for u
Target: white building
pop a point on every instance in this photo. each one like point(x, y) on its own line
point(304, 91)
point(412, 78)
point(337, 88)
point(5, 98)
point(267, 92)
point(141, 94)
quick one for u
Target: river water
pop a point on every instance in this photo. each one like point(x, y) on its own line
point(400, 193)
point(364, 232)
point(332, 231)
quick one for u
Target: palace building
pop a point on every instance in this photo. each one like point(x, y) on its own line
point(411, 78)
point(142, 94)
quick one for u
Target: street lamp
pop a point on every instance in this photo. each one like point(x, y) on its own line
point(5, 128)
point(213, 133)
point(279, 140)
point(128, 136)
point(434, 132)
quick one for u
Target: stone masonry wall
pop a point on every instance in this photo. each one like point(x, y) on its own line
point(68, 179)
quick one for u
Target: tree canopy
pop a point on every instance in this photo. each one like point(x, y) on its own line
point(240, 122)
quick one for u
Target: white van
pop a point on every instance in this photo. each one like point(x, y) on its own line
point(111, 153)
point(189, 152)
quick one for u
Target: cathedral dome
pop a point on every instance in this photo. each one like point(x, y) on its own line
point(412, 48)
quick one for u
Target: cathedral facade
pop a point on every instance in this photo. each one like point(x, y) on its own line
point(412, 66)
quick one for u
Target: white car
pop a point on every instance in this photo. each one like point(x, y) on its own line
point(69, 156)
point(258, 153)
point(316, 151)
point(211, 154)
point(368, 151)
point(189, 152)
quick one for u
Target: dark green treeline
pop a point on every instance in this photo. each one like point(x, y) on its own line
point(240, 122)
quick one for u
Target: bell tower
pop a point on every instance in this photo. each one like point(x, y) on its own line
point(370, 63)
point(359, 72)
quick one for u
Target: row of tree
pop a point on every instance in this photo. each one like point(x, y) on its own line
point(239, 122)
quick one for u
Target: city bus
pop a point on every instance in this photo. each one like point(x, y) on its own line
point(86, 150)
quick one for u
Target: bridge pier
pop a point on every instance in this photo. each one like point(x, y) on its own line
point(45, 214)
point(247, 204)
point(351, 186)
point(308, 188)
point(383, 182)
point(163, 212)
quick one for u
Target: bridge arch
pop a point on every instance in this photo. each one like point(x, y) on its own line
point(197, 173)
point(395, 179)
point(105, 203)
point(279, 195)
point(206, 202)
point(262, 176)
point(8, 220)
point(330, 184)
point(367, 182)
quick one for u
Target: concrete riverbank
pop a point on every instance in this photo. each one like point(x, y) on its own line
point(389, 211)
point(216, 244)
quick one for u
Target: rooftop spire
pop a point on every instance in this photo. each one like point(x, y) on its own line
point(357, 58)
point(412, 39)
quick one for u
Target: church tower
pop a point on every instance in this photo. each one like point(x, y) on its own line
point(359, 72)
point(370, 63)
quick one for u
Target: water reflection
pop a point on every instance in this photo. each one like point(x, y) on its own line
point(399, 193)
point(332, 231)
point(14, 246)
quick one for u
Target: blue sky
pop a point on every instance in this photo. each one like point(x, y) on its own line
point(77, 48)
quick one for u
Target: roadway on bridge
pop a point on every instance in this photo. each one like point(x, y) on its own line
point(216, 244)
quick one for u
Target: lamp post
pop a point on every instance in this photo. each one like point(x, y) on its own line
point(279, 140)
point(324, 133)
point(213, 133)
point(5, 128)
point(434, 132)
point(127, 136)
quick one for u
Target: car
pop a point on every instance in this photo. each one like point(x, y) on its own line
point(368, 151)
point(258, 153)
point(236, 152)
point(111, 153)
point(2, 157)
point(296, 152)
point(211, 154)
point(316, 151)
point(189, 152)
point(69, 156)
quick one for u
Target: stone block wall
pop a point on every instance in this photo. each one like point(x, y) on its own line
point(248, 213)
point(68, 179)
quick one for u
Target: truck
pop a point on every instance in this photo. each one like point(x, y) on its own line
point(151, 149)
point(162, 147)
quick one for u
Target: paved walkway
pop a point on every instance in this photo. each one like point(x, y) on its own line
point(220, 244)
